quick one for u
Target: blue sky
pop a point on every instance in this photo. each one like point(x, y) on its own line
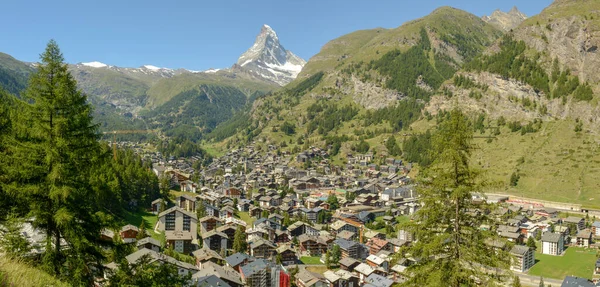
point(199, 34)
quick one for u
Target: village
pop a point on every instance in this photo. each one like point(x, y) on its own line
point(306, 223)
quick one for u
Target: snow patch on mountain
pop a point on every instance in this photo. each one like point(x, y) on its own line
point(268, 59)
point(95, 64)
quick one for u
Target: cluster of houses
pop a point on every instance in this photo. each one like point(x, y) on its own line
point(281, 227)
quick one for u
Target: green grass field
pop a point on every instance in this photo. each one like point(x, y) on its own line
point(247, 218)
point(136, 218)
point(554, 163)
point(311, 260)
point(15, 273)
point(576, 261)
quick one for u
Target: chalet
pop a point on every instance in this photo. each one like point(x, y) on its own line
point(299, 228)
point(340, 278)
point(314, 245)
point(577, 221)
point(377, 262)
point(345, 234)
point(157, 205)
point(180, 227)
point(376, 245)
point(244, 205)
point(204, 255)
point(258, 272)
point(282, 236)
point(226, 212)
point(584, 238)
point(340, 225)
point(236, 260)
point(208, 280)
point(229, 230)
point(571, 281)
point(348, 263)
point(305, 278)
point(225, 273)
point(596, 228)
point(397, 244)
point(188, 186)
point(233, 192)
point(376, 280)
point(553, 243)
point(511, 233)
point(183, 268)
point(364, 271)
point(128, 233)
point(215, 240)
point(262, 249)
point(348, 248)
point(149, 243)
point(287, 254)
point(524, 258)
point(209, 223)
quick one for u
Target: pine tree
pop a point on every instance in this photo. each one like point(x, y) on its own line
point(57, 150)
point(531, 243)
point(142, 234)
point(451, 246)
point(516, 282)
point(542, 282)
point(239, 240)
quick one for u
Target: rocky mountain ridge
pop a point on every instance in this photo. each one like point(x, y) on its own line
point(505, 21)
point(268, 59)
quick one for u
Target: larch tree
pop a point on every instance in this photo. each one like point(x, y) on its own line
point(451, 249)
point(239, 240)
point(56, 146)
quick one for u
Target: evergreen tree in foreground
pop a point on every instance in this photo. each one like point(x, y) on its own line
point(56, 147)
point(451, 248)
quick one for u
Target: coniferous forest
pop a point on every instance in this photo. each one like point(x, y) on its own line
point(55, 174)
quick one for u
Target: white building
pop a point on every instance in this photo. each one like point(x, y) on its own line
point(553, 243)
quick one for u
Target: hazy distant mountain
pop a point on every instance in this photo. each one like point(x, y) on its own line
point(505, 21)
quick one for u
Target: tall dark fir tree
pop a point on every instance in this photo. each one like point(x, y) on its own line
point(57, 146)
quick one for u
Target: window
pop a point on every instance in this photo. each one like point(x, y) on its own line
point(170, 221)
point(186, 222)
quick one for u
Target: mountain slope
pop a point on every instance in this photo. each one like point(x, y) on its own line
point(367, 82)
point(268, 59)
point(14, 74)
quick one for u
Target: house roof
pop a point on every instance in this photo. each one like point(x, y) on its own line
point(586, 233)
point(209, 281)
point(573, 219)
point(146, 240)
point(155, 256)
point(519, 250)
point(375, 259)
point(378, 280)
point(260, 242)
point(236, 259)
point(223, 272)
point(551, 237)
point(345, 244)
point(345, 234)
point(178, 235)
point(206, 254)
point(348, 261)
point(571, 281)
point(254, 267)
point(179, 209)
point(130, 227)
point(213, 233)
point(364, 269)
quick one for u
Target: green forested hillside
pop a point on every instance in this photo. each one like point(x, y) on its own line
point(533, 111)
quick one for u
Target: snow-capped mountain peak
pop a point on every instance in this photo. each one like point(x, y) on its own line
point(95, 64)
point(268, 59)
